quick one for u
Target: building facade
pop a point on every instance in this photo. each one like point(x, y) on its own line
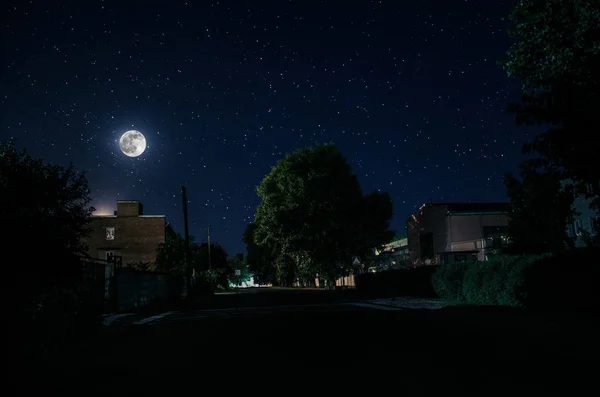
point(128, 235)
point(456, 232)
point(393, 255)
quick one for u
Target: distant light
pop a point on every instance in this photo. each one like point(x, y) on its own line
point(103, 211)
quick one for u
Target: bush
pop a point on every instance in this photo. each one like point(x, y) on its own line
point(447, 281)
point(566, 281)
point(55, 319)
point(406, 282)
point(498, 281)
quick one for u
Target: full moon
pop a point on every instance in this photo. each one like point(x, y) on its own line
point(132, 143)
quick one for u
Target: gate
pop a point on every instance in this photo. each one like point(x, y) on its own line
point(99, 277)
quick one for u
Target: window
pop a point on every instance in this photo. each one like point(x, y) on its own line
point(110, 233)
point(460, 258)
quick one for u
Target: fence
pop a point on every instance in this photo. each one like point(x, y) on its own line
point(124, 288)
point(135, 288)
point(97, 275)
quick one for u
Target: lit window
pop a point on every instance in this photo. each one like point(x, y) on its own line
point(110, 233)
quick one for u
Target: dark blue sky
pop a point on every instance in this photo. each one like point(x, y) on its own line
point(408, 90)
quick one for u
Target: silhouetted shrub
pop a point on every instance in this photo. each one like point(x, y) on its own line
point(555, 282)
point(405, 282)
point(566, 281)
point(57, 318)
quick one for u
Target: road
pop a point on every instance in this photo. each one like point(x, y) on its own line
point(494, 351)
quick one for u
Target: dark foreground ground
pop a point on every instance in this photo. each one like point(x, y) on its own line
point(450, 351)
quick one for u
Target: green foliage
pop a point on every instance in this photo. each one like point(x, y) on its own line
point(312, 214)
point(170, 257)
point(217, 277)
point(555, 41)
point(556, 54)
point(447, 281)
point(260, 258)
point(498, 281)
point(239, 262)
point(540, 209)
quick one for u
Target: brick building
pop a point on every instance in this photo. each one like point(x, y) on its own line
point(128, 234)
point(456, 232)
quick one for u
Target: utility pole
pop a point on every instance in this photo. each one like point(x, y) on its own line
point(188, 270)
point(209, 264)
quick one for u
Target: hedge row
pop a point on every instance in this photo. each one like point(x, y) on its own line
point(405, 282)
point(498, 281)
point(567, 281)
point(564, 281)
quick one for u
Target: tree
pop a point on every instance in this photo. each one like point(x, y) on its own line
point(238, 262)
point(376, 211)
point(313, 214)
point(556, 54)
point(540, 209)
point(170, 257)
point(260, 258)
point(46, 208)
point(218, 270)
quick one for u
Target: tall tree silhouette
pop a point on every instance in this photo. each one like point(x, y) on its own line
point(556, 55)
point(540, 209)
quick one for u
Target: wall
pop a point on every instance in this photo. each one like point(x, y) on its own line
point(470, 227)
point(465, 231)
point(135, 289)
point(136, 237)
point(428, 219)
point(457, 231)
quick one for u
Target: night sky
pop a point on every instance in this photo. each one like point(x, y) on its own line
point(409, 91)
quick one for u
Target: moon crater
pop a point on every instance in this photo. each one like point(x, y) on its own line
point(132, 143)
